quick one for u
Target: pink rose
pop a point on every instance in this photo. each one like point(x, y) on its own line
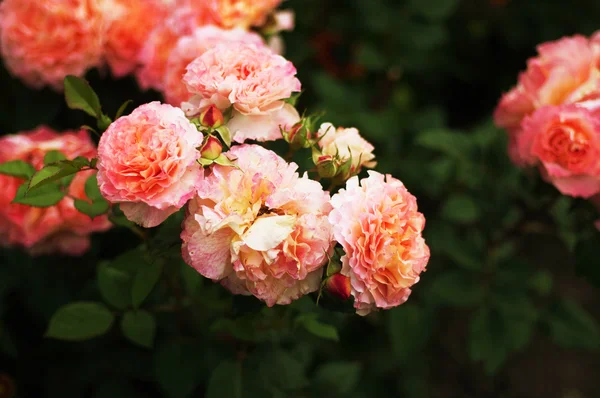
point(147, 162)
point(59, 228)
point(189, 48)
point(379, 227)
point(259, 228)
point(565, 71)
point(346, 143)
point(251, 78)
point(131, 24)
point(44, 41)
point(565, 142)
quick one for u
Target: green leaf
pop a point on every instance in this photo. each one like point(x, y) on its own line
point(457, 289)
point(460, 209)
point(144, 281)
point(53, 156)
point(46, 196)
point(114, 285)
point(57, 170)
point(94, 209)
point(283, 370)
point(92, 190)
point(339, 378)
point(409, 331)
point(191, 278)
point(122, 109)
point(453, 143)
point(17, 168)
point(485, 340)
point(225, 381)
point(225, 134)
point(80, 95)
point(80, 321)
point(176, 366)
point(573, 327)
point(317, 328)
point(139, 327)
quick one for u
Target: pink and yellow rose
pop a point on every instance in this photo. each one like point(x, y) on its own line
point(346, 144)
point(259, 228)
point(252, 79)
point(56, 229)
point(377, 223)
point(147, 162)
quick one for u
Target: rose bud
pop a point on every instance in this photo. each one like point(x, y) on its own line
point(298, 136)
point(212, 148)
point(326, 166)
point(212, 117)
point(338, 286)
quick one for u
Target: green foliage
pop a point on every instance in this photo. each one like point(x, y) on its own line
point(17, 168)
point(80, 321)
point(80, 95)
point(139, 327)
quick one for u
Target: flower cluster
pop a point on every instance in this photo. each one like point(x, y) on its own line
point(60, 228)
point(252, 222)
point(552, 117)
point(44, 41)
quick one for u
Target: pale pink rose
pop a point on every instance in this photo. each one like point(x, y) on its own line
point(565, 71)
point(284, 20)
point(259, 228)
point(131, 22)
point(240, 13)
point(251, 78)
point(56, 229)
point(147, 162)
point(565, 142)
point(189, 48)
point(346, 143)
point(377, 223)
point(42, 41)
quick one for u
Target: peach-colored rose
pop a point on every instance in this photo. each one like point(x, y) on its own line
point(147, 162)
point(346, 143)
point(240, 13)
point(565, 142)
point(251, 78)
point(59, 228)
point(565, 71)
point(259, 228)
point(189, 48)
point(131, 24)
point(42, 41)
point(377, 223)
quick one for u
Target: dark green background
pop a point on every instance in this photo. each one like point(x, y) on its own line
point(507, 308)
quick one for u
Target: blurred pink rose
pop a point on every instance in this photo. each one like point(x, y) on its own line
point(259, 228)
point(565, 71)
point(59, 228)
point(189, 48)
point(42, 41)
point(147, 162)
point(346, 143)
point(251, 78)
point(565, 142)
point(379, 227)
point(131, 22)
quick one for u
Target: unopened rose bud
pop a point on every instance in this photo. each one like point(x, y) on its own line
point(338, 286)
point(298, 136)
point(212, 117)
point(212, 148)
point(326, 166)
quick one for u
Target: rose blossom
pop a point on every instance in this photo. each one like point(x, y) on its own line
point(379, 227)
point(346, 143)
point(189, 48)
point(565, 142)
point(259, 228)
point(147, 162)
point(44, 41)
point(59, 228)
point(565, 71)
point(131, 24)
point(251, 78)
point(240, 13)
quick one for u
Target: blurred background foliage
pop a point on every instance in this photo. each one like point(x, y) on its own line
point(508, 306)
